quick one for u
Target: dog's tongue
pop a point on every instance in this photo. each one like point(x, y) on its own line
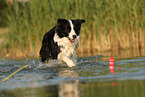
point(72, 40)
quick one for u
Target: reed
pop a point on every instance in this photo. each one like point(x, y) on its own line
point(111, 24)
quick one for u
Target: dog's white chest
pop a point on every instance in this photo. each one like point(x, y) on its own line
point(66, 46)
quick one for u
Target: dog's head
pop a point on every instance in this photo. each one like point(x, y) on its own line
point(69, 28)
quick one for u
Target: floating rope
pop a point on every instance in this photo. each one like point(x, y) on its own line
point(16, 71)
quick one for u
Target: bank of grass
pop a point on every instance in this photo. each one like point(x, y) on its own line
point(110, 24)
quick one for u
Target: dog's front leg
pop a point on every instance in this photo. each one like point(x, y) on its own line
point(68, 61)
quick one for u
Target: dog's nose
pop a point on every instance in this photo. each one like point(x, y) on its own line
point(74, 36)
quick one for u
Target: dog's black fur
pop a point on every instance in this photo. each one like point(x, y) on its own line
point(50, 49)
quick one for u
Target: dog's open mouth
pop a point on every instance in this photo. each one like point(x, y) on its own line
point(72, 40)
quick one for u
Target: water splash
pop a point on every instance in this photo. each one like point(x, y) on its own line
point(55, 71)
point(50, 64)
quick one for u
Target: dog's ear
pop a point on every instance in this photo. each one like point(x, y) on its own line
point(80, 21)
point(61, 21)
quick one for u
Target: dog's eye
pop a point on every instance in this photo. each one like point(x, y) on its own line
point(77, 29)
point(67, 29)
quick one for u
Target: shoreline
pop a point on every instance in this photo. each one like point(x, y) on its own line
point(82, 50)
point(124, 53)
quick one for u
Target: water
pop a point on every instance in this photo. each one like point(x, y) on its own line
point(90, 78)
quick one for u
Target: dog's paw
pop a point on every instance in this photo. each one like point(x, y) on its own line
point(70, 63)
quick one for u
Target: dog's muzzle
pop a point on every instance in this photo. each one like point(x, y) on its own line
point(74, 37)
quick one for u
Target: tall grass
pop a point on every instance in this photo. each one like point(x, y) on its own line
point(3, 8)
point(110, 24)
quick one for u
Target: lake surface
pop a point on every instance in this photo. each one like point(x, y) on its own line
point(90, 78)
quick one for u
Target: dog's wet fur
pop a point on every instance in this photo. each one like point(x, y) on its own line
point(61, 41)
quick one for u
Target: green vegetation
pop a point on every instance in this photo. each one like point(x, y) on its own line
point(3, 10)
point(110, 24)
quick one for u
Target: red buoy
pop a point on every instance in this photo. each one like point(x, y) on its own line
point(111, 64)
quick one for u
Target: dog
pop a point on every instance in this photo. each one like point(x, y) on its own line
point(61, 41)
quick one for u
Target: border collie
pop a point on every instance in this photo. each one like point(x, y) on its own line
point(61, 41)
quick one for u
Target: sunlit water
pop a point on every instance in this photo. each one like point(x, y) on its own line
point(86, 79)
